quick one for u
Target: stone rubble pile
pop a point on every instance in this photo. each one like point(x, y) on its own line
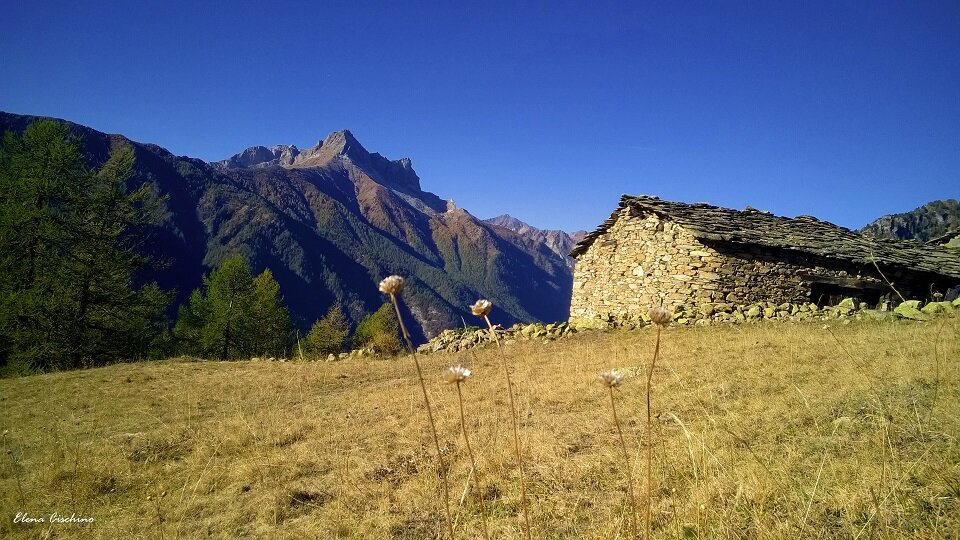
point(467, 338)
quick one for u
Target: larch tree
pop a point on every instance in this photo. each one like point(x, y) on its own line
point(329, 334)
point(234, 315)
point(69, 255)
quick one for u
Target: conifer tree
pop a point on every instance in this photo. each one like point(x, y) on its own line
point(379, 331)
point(225, 333)
point(39, 173)
point(329, 334)
point(68, 256)
point(234, 315)
point(270, 325)
point(108, 318)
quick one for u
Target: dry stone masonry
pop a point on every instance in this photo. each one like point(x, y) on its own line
point(701, 258)
point(847, 310)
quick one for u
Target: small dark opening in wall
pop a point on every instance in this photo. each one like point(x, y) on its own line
point(829, 294)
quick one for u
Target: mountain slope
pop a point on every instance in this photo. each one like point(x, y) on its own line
point(330, 222)
point(922, 224)
point(559, 242)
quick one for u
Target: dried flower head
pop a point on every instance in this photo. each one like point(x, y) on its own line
point(610, 378)
point(391, 285)
point(659, 315)
point(456, 374)
point(481, 308)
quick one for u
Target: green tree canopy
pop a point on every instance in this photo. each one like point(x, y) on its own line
point(234, 315)
point(329, 334)
point(271, 326)
point(67, 255)
point(379, 331)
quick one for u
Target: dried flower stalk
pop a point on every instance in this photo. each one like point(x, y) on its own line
point(660, 317)
point(482, 309)
point(393, 285)
point(458, 375)
point(612, 379)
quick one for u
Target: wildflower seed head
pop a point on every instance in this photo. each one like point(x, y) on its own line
point(660, 316)
point(391, 285)
point(456, 374)
point(611, 379)
point(481, 308)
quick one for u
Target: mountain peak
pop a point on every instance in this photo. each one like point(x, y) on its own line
point(341, 149)
point(261, 156)
point(342, 143)
point(507, 221)
point(339, 144)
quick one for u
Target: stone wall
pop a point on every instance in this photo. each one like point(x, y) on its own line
point(761, 274)
point(642, 258)
point(638, 261)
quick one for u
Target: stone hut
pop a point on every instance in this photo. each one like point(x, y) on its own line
point(695, 255)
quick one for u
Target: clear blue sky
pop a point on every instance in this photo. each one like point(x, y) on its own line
point(547, 111)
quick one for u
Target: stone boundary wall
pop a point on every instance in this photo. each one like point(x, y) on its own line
point(461, 339)
point(642, 258)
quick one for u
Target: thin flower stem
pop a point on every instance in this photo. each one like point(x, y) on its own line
point(626, 461)
point(516, 430)
point(433, 427)
point(656, 353)
point(473, 463)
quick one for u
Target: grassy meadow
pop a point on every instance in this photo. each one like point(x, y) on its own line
point(774, 430)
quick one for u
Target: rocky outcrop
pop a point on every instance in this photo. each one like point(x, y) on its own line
point(341, 149)
point(922, 224)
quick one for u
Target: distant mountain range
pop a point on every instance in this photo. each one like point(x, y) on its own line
point(331, 221)
point(558, 242)
point(930, 221)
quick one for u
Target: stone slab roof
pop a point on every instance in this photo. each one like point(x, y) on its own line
point(805, 234)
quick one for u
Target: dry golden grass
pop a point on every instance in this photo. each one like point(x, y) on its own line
point(761, 431)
